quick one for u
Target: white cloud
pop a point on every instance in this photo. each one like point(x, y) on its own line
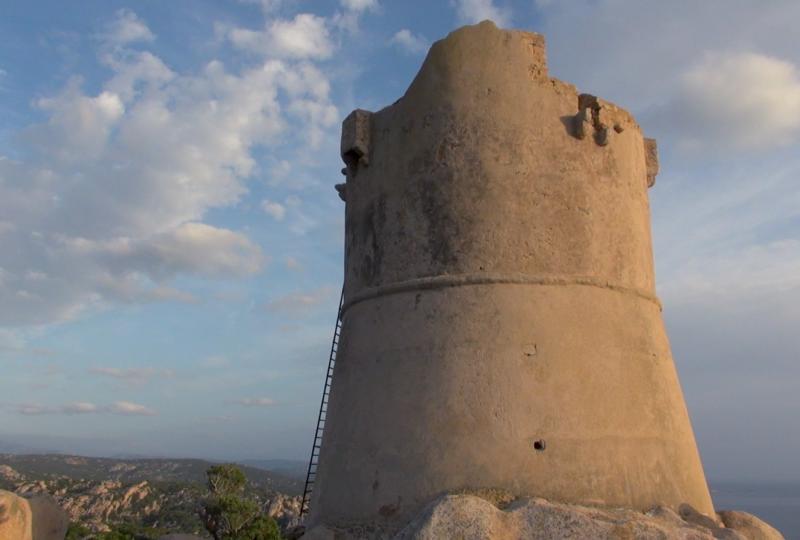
point(216, 362)
point(135, 74)
point(301, 223)
point(79, 124)
point(10, 340)
point(293, 264)
point(170, 294)
point(277, 172)
point(359, 5)
point(32, 409)
point(656, 42)
point(267, 6)
point(80, 407)
point(189, 248)
point(127, 28)
point(474, 11)
point(301, 303)
point(108, 204)
point(256, 402)
point(410, 42)
point(123, 408)
point(306, 36)
point(747, 272)
point(202, 249)
point(739, 100)
point(131, 375)
point(274, 209)
point(318, 116)
point(127, 408)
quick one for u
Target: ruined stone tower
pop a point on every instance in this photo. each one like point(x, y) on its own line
point(500, 324)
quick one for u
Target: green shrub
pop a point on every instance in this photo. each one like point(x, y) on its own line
point(227, 514)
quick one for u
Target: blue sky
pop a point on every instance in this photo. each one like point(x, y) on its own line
point(171, 243)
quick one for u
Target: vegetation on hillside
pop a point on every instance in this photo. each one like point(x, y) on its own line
point(228, 514)
point(129, 504)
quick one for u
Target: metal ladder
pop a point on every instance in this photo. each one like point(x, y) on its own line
point(311, 475)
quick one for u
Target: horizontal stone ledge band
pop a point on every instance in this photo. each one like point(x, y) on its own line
point(461, 280)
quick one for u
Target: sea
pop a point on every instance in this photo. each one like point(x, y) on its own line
point(777, 504)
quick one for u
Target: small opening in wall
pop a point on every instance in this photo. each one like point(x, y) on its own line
point(350, 159)
point(539, 445)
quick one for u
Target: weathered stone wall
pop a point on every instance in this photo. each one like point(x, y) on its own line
point(500, 320)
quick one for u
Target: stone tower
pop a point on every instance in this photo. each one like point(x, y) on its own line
point(500, 324)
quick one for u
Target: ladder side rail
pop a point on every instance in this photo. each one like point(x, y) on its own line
point(322, 411)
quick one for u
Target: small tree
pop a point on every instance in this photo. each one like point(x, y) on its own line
point(77, 531)
point(228, 514)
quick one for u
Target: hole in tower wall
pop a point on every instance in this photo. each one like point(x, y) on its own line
point(539, 445)
point(351, 158)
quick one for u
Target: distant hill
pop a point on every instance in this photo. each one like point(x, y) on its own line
point(289, 467)
point(189, 471)
point(154, 496)
point(14, 448)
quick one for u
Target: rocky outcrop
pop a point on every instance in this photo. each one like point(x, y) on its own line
point(477, 517)
point(97, 503)
point(749, 525)
point(9, 474)
point(37, 518)
point(285, 510)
